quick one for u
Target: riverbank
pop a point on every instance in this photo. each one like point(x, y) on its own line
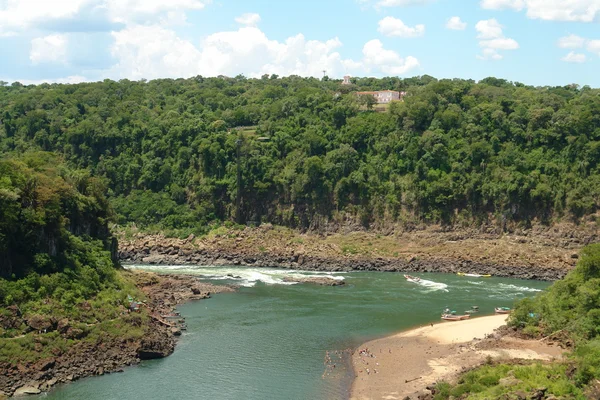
point(89, 356)
point(542, 253)
point(403, 365)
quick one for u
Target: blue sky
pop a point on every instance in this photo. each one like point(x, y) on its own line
point(537, 42)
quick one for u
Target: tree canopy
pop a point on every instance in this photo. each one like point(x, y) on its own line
point(453, 151)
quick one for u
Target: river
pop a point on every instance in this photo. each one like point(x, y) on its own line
point(269, 340)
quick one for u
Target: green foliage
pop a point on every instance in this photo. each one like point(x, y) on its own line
point(454, 151)
point(484, 382)
point(588, 358)
point(48, 214)
point(571, 305)
point(56, 262)
point(569, 308)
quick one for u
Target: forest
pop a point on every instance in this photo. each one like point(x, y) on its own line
point(300, 152)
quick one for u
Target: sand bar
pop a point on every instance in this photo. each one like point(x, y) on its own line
point(404, 364)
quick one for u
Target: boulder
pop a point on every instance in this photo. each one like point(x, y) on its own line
point(39, 322)
point(156, 345)
point(323, 281)
point(26, 390)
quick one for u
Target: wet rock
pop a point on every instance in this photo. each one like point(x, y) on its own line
point(156, 345)
point(26, 390)
point(323, 281)
point(176, 331)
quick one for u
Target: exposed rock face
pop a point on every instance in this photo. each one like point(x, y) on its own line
point(316, 263)
point(323, 281)
point(157, 345)
point(542, 253)
point(25, 390)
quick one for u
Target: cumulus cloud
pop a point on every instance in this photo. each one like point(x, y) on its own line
point(393, 3)
point(578, 42)
point(489, 29)
point(491, 39)
point(86, 15)
point(503, 4)
point(150, 52)
point(551, 10)
point(571, 42)
point(593, 46)
point(388, 61)
point(456, 24)
point(248, 19)
point(400, 3)
point(49, 49)
point(390, 26)
point(573, 57)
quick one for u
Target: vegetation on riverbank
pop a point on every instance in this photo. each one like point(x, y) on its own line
point(60, 285)
point(568, 311)
point(455, 152)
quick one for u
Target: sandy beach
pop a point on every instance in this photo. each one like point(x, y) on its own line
point(404, 364)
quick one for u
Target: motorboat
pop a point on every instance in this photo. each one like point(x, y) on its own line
point(502, 310)
point(451, 317)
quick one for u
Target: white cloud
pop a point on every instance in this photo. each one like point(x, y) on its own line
point(20, 15)
point(500, 44)
point(49, 49)
point(154, 51)
point(388, 61)
point(69, 79)
point(503, 4)
point(551, 10)
point(489, 29)
point(573, 57)
point(564, 10)
point(390, 26)
point(491, 39)
point(248, 19)
point(489, 54)
point(593, 46)
point(571, 42)
point(456, 24)
point(127, 11)
point(578, 42)
point(393, 3)
point(401, 3)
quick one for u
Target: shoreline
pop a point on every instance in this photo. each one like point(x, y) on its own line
point(164, 293)
point(405, 365)
point(546, 254)
point(160, 256)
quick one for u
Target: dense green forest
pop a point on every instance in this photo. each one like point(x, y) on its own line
point(59, 282)
point(309, 151)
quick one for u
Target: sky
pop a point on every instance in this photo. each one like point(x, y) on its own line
point(536, 42)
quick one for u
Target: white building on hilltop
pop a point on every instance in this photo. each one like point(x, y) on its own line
point(347, 80)
point(384, 96)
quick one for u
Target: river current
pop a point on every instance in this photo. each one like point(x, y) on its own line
point(277, 340)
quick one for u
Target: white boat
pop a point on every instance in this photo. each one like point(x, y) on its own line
point(450, 317)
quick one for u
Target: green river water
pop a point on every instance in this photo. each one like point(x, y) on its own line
point(269, 339)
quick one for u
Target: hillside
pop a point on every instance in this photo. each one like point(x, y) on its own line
point(454, 152)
